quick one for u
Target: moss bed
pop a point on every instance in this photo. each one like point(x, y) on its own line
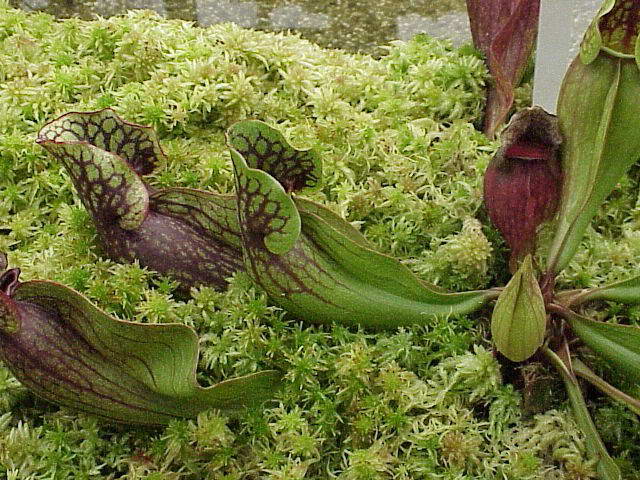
point(403, 161)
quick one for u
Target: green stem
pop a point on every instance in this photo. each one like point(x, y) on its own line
point(585, 372)
point(606, 467)
point(559, 309)
point(572, 298)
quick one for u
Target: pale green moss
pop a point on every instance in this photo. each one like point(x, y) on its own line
point(459, 260)
point(402, 161)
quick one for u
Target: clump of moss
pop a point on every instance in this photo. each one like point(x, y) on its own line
point(403, 162)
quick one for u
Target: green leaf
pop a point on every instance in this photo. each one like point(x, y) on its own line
point(192, 236)
point(614, 30)
point(605, 466)
point(585, 372)
point(519, 319)
point(310, 261)
point(267, 214)
point(334, 221)
point(69, 352)
point(618, 344)
point(108, 187)
point(267, 169)
point(136, 144)
point(381, 278)
point(626, 291)
point(599, 117)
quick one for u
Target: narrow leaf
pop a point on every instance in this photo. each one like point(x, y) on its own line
point(519, 319)
point(626, 291)
point(618, 344)
point(585, 372)
point(606, 467)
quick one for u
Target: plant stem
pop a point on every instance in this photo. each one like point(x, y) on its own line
point(585, 372)
point(606, 467)
point(559, 310)
point(570, 298)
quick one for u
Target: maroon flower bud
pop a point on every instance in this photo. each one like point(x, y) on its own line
point(505, 32)
point(523, 182)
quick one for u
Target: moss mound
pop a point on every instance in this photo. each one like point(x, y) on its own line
point(403, 162)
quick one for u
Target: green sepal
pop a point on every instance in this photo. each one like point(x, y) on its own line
point(605, 466)
point(599, 116)
point(618, 344)
point(126, 372)
point(519, 318)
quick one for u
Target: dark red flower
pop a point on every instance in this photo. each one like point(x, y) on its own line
point(523, 182)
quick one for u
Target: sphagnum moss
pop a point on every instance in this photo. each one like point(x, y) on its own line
point(402, 161)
